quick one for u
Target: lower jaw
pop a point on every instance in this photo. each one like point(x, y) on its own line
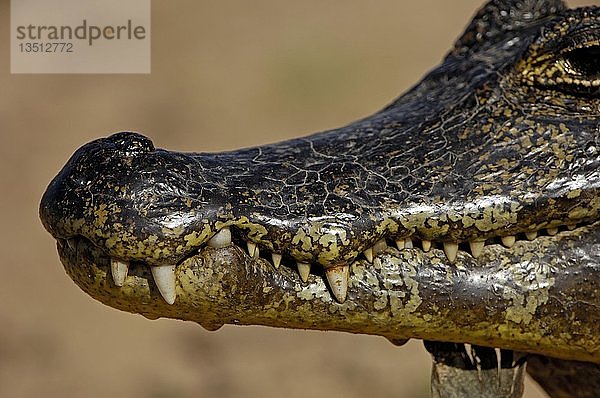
point(540, 296)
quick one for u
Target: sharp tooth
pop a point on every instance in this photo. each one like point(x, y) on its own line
point(451, 250)
point(338, 281)
point(531, 235)
point(426, 245)
point(252, 249)
point(221, 239)
point(72, 244)
point(369, 254)
point(477, 247)
point(276, 259)
point(552, 231)
point(119, 271)
point(508, 241)
point(164, 277)
point(304, 270)
point(400, 244)
point(571, 226)
point(408, 244)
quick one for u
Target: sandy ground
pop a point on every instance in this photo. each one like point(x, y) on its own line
point(224, 75)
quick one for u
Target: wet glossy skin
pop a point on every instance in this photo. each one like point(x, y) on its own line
point(500, 140)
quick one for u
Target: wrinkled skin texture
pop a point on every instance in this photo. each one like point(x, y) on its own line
point(500, 140)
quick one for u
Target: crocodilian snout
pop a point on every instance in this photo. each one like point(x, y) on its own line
point(96, 177)
point(126, 197)
point(94, 169)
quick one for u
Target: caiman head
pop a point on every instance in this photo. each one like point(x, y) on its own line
point(465, 211)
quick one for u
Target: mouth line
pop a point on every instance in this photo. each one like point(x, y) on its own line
point(337, 277)
point(515, 298)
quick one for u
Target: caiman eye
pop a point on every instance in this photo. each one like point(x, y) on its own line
point(584, 63)
point(569, 62)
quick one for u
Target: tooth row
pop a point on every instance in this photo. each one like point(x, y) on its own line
point(164, 277)
point(337, 276)
point(451, 248)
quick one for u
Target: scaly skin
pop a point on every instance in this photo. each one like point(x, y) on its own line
point(497, 142)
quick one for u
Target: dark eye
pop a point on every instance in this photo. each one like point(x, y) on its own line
point(575, 69)
point(583, 62)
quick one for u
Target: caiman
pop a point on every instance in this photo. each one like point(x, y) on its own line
point(465, 212)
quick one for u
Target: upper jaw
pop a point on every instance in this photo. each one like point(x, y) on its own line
point(121, 185)
point(138, 204)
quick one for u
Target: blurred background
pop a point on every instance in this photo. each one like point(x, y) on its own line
point(225, 74)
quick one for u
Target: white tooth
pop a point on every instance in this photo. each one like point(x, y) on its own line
point(119, 271)
point(164, 277)
point(369, 254)
point(252, 249)
point(400, 244)
point(531, 235)
point(477, 247)
point(426, 245)
point(72, 244)
point(276, 260)
point(451, 250)
point(508, 241)
point(304, 270)
point(221, 239)
point(408, 243)
point(338, 281)
point(571, 226)
point(552, 231)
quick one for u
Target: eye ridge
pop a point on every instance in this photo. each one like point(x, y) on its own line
point(574, 70)
point(565, 57)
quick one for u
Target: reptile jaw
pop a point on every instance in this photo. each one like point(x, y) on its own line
point(391, 297)
point(337, 277)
